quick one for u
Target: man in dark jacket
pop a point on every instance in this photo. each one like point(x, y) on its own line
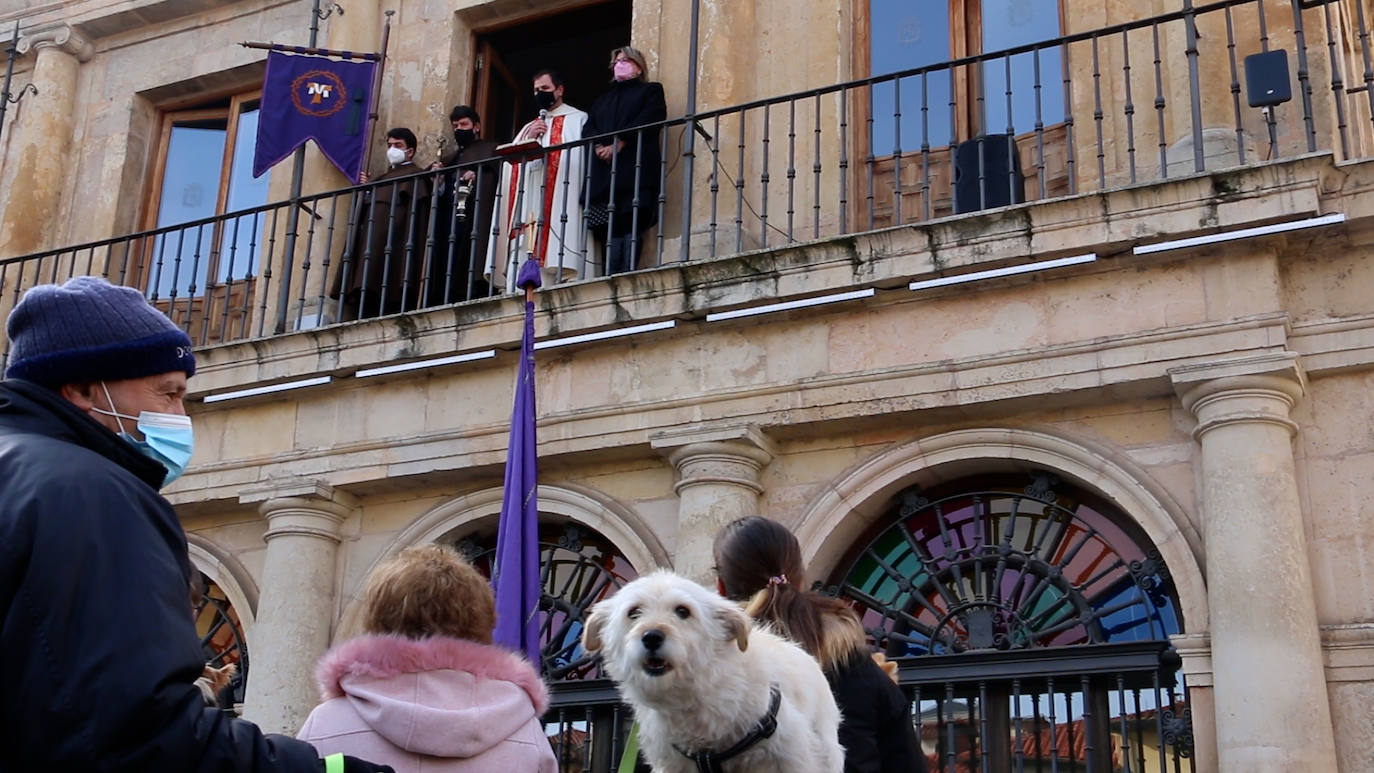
point(466, 205)
point(98, 653)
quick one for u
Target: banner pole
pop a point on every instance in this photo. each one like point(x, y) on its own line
point(293, 212)
point(376, 91)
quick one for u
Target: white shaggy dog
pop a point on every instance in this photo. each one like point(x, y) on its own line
point(702, 680)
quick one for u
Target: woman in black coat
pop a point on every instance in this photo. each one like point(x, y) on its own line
point(620, 210)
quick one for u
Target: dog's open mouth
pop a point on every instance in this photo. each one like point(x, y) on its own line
point(654, 666)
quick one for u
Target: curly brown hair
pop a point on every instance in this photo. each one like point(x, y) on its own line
point(429, 591)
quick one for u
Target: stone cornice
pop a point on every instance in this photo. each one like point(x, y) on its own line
point(62, 37)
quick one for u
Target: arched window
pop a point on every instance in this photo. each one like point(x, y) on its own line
point(578, 568)
point(221, 637)
point(1031, 621)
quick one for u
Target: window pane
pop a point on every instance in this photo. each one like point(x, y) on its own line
point(904, 34)
point(190, 189)
point(238, 259)
point(1008, 23)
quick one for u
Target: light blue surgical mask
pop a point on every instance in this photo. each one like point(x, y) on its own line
point(167, 437)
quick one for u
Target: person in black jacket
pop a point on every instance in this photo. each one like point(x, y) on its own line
point(98, 655)
point(620, 207)
point(758, 561)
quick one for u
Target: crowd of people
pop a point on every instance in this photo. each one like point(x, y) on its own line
point(581, 210)
point(104, 666)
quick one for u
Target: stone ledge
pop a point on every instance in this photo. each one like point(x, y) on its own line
point(1108, 222)
point(1132, 365)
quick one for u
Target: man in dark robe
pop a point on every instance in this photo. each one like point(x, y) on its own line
point(381, 271)
point(465, 208)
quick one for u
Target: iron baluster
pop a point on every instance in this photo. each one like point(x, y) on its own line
point(816, 175)
point(763, 178)
point(229, 278)
point(252, 262)
point(454, 226)
point(791, 166)
point(1125, 731)
point(925, 149)
point(897, 151)
point(739, 189)
point(1012, 194)
point(1235, 86)
point(663, 186)
point(1159, 107)
point(1039, 124)
point(1304, 81)
point(1097, 117)
point(1194, 83)
point(1130, 105)
point(1333, 60)
point(715, 183)
point(267, 269)
point(844, 161)
point(1018, 743)
point(312, 218)
point(610, 210)
point(871, 159)
point(1365, 58)
point(563, 216)
point(633, 262)
point(984, 731)
point(1071, 153)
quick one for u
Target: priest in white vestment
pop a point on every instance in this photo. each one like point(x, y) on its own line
point(544, 190)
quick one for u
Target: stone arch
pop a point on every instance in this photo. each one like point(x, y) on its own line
point(847, 507)
point(617, 523)
point(230, 575)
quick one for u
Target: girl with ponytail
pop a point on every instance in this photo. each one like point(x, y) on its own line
point(759, 564)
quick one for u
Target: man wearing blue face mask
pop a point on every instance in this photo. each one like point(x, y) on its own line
point(98, 653)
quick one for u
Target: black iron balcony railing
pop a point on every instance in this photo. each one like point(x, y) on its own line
point(1133, 103)
point(1109, 708)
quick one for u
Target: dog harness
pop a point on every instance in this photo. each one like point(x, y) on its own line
point(711, 762)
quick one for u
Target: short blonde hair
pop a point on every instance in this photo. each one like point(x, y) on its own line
point(429, 591)
point(633, 55)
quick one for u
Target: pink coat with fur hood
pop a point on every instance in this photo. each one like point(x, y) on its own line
point(435, 704)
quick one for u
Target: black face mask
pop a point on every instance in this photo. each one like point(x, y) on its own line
point(544, 99)
point(464, 137)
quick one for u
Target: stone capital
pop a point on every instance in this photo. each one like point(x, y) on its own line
point(1195, 649)
point(301, 507)
point(1260, 389)
point(730, 455)
point(62, 37)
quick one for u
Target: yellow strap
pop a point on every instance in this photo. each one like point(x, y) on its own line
point(334, 764)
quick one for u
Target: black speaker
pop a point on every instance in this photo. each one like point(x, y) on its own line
point(1266, 78)
point(987, 173)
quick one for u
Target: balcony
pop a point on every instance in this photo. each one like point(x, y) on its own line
point(960, 151)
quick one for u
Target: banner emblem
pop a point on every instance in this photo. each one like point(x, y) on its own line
point(322, 88)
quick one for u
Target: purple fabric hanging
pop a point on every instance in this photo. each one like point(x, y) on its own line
point(515, 575)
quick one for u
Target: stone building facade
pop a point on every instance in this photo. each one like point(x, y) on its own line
point(1211, 396)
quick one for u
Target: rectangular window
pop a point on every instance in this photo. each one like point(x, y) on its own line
point(204, 170)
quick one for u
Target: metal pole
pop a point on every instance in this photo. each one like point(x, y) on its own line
point(377, 88)
point(293, 213)
point(10, 53)
point(689, 141)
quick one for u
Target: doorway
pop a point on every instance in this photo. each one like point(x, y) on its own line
point(577, 43)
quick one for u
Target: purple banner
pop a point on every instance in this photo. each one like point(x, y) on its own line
point(314, 98)
point(515, 575)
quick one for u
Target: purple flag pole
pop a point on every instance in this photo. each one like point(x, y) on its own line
point(515, 575)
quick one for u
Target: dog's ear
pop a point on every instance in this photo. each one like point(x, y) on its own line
point(591, 630)
point(736, 624)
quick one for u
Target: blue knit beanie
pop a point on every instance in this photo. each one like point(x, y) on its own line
point(91, 330)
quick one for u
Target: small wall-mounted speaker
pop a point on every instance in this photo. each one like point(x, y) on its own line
point(987, 173)
point(1266, 78)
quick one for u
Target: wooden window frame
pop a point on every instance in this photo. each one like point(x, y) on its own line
point(231, 114)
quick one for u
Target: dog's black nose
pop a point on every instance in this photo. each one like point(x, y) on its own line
point(652, 640)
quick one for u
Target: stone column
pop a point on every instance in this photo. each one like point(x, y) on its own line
point(718, 481)
point(38, 162)
point(1272, 714)
point(297, 600)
